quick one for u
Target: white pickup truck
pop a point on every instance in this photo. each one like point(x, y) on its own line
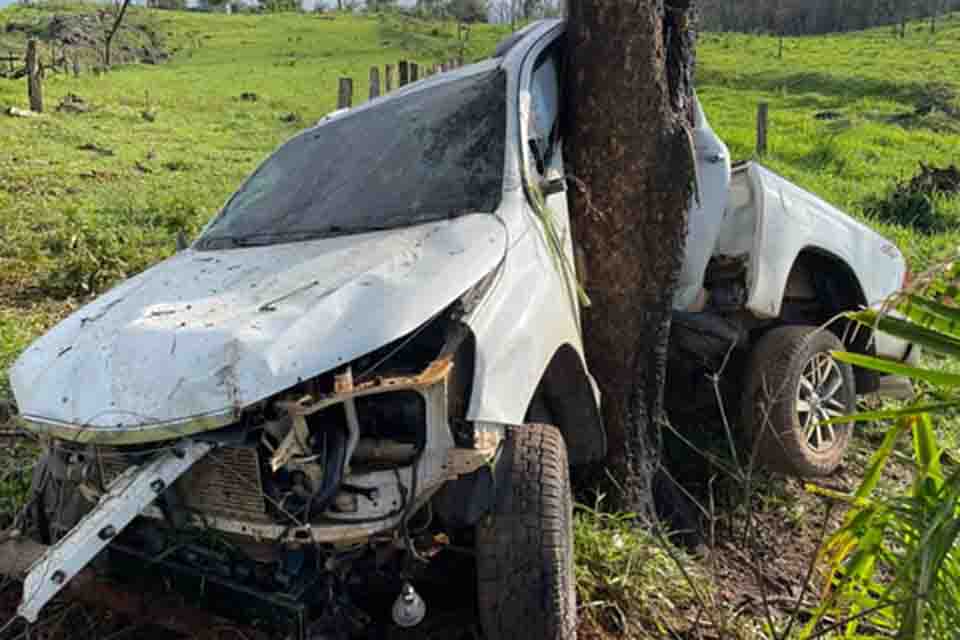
point(372, 354)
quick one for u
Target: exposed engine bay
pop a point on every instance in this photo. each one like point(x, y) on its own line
point(328, 490)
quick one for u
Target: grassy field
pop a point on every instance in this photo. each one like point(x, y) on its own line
point(88, 198)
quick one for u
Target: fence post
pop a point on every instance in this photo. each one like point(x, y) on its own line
point(414, 72)
point(763, 115)
point(345, 94)
point(388, 78)
point(404, 68)
point(374, 82)
point(34, 82)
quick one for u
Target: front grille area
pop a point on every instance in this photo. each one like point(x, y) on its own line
point(227, 483)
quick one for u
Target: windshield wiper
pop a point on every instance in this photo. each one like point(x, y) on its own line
point(273, 237)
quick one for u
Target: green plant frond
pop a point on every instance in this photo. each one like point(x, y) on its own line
point(930, 339)
point(839, 496)
point(927, 453)
point(895, 368)
point(878, 461)
point(931, 314)
point(894, 414)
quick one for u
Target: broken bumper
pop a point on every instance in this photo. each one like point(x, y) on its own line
point(129, 495)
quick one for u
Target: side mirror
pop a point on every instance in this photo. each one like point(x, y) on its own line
point(182, 242)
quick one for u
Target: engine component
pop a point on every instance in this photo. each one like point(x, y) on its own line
point(389, 451)
point(409, 610)
point(227, 483)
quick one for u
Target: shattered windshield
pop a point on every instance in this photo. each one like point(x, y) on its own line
point(431, 155)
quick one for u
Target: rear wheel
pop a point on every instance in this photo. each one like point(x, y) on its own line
point(525, 546)
point(794, 387)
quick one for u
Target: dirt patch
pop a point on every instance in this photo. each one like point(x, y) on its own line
point(933, 180)
point(936, 107)
point(916, 202)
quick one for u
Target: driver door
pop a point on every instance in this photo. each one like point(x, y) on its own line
point(541, 106)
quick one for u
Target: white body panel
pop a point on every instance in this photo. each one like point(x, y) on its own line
point(209, 333)
point(786, 220)
point(706, 217)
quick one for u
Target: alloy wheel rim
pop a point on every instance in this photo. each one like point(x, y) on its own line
point(819, 401)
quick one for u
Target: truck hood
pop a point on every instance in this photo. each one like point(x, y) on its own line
point(187, 344)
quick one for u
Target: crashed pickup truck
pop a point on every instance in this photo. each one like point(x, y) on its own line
point(372, 356)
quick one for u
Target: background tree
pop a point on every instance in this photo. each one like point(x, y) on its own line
point(381, 5)
point(630, 148)
point(119, 12)
point(468, 10)
point(818, 16)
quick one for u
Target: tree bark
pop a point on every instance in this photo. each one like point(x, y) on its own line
point(631, 152)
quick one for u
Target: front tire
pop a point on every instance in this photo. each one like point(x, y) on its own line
point(794, 385)
point(526, 584)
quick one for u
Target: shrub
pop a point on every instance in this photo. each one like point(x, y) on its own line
point(895, 563)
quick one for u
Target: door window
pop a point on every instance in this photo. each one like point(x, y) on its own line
point(543, 120)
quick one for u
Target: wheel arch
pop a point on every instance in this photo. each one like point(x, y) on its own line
point(565, 397)
point(836, 289)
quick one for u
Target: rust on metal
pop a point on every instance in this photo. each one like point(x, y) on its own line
point(436, 372)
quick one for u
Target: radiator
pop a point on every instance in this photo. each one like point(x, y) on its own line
point(227, 483)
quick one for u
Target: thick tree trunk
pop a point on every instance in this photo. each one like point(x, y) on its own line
point(632, 155)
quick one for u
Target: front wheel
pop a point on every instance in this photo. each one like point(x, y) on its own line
point(794, 388)
point(526, 585)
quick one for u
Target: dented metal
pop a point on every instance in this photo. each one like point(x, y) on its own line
point(185, 346)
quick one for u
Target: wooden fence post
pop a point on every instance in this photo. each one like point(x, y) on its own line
point(345, 94)
point(763, 114)
point(404, 69)
point(388, 78)
point(374, 82)
point(34, 82)
point(414, 72)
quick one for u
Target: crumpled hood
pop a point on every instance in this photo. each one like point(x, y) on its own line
point(209, 332)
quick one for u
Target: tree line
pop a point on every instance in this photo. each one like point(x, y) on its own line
point(800, 17)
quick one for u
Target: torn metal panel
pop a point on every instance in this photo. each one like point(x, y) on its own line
point(126, 499)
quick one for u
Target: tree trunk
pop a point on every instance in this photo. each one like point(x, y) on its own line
point(113, 32)
point(631, 153)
